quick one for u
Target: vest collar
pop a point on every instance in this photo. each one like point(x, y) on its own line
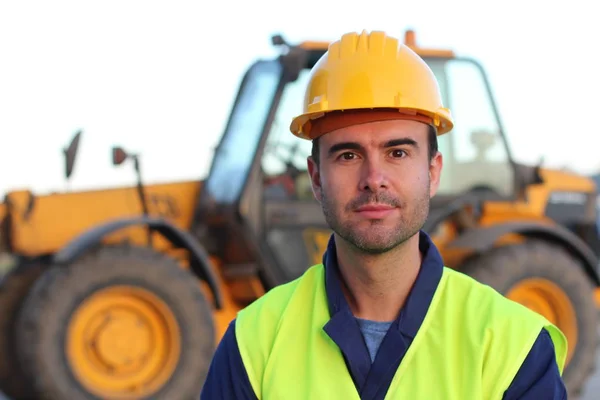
point(344, 331)
point(417, 303)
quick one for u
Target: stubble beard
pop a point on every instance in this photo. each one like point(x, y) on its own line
point(378, 237)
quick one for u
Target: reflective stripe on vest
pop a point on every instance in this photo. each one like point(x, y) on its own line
point(470, 345)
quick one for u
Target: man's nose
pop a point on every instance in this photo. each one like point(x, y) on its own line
point(373, 176)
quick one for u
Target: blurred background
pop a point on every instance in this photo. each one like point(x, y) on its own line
point(160, 78)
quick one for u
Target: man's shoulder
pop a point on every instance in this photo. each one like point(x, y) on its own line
point(258, 324)
point(503, 330)
point(489, 304)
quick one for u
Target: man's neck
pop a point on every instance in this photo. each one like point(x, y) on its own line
point(376, 286)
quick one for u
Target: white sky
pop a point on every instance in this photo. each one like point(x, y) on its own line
point(159, 77)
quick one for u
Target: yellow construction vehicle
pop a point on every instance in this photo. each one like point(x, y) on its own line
point(123, 293)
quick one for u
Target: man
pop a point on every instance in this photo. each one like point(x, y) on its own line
point(382, 316)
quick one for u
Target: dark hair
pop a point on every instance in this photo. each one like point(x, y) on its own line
point(432, 139)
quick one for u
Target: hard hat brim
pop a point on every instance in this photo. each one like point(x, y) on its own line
point(302, 125)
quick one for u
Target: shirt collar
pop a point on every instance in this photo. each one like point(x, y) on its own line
point(417, 303)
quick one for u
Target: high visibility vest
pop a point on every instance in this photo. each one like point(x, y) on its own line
point(470, 346)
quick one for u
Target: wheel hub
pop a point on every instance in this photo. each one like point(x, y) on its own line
point(123, 342)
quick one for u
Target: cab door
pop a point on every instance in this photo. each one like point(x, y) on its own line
point(294, 227)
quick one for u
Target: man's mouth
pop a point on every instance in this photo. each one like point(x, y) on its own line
point(375, 211)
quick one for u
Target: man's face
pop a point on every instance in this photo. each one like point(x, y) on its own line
point(374, 182)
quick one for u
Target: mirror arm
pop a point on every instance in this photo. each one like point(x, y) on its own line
point(140, 186)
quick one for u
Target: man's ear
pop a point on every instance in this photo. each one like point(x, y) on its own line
point(435, 172)
point(315, 177)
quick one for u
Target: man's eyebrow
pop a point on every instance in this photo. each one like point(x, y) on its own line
point(344, 146)
point(356, 146)
point(399, 142)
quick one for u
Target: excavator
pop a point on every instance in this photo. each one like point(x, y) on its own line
point(124, 292)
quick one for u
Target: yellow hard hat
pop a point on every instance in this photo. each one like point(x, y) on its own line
point(371, 71)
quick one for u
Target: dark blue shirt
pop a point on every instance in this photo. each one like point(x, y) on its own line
point(538, 377)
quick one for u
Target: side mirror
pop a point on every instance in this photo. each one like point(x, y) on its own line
point(119, 155)
point(70, 154)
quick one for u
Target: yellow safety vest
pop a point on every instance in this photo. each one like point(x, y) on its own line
point(470, 345)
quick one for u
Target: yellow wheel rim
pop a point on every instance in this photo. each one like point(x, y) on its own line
point(123, 342)
point(548, 299)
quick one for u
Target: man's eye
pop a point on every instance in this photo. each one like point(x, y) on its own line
point(347, 156)
point(398, 153)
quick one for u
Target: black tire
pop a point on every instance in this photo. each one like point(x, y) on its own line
point(504, 267)
point(13, 290)
point(45, 316)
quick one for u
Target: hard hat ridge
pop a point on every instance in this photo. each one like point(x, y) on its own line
point(371, 71)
